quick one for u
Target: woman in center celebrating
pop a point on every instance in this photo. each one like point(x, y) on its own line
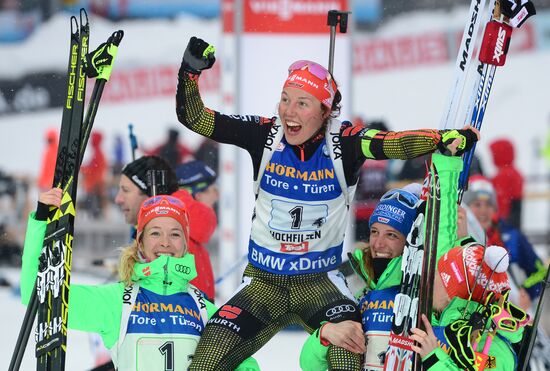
point(306, 166)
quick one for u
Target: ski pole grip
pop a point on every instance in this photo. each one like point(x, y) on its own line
point(334, 18)
point(116, 37)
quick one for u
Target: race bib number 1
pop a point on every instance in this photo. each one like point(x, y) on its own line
point(164, 355)
point(293, 217)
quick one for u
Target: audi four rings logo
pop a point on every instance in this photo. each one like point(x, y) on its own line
point(340, 309)
point(183, 269)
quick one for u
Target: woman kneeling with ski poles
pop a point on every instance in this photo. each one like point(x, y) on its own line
point(154, 312)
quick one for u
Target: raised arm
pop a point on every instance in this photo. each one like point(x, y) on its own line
point(247, 132)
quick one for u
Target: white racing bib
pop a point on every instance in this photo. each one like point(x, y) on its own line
point(159, 332)
point(163, 353)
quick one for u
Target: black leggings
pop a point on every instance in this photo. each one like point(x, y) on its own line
point(265, 304)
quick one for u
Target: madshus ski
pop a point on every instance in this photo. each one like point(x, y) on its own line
point(505, 15)
point(51, 295)
point(418, 254)
point(474, 73)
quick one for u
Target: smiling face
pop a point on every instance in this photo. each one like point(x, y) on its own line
point(385, 241)
point(301, 115)
point(162, 236)
point(129, 198)
point(483, 211)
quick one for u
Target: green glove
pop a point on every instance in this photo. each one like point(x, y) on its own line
point(99, 63)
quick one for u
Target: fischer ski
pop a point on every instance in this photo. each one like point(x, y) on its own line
point(55, 261)
point(51, 295)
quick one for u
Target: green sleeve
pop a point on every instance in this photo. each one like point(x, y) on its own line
point(91, 308)
point(313, 356)
point(438, 360)
point(34, 238)
point(448, 168)
point(97, 309)
point(249, 364)
point(210, 308)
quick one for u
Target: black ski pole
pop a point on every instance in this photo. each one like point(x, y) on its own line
point(99, 85)
point(334, 18)
point(156, 182)
point(24, 333)
point(527, 348)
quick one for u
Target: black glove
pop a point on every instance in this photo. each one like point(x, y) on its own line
point(517, 11)
point(198, 56)
point(99, 62)
point(469, 138)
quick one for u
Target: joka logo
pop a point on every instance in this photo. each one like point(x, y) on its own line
point(127, 296)
point(146, 271)
point(182, 269)
point(345, 308)
point(229, 312)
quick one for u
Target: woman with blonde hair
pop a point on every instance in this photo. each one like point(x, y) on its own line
point(153, 317)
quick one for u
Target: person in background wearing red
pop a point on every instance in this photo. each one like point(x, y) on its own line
point(197, 189)
point(481, 198)
point(172, 151)
point(508, 182)
point(94, 174)
point(47, 168)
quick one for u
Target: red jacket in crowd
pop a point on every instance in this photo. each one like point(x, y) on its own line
point(508, 181)
point(202, 224)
